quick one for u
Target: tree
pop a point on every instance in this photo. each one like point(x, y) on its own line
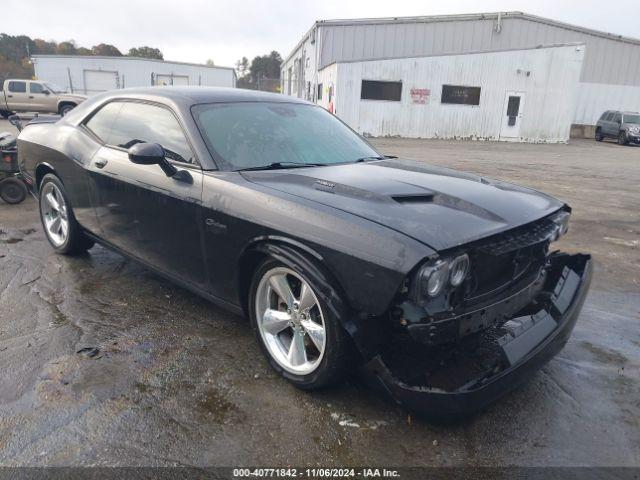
point(14, 49)
point(210, 63)
point(266, 66)
point(66, 48)
point(242, 67)
point(106, 50)
point(42, 47)
point(146, 52)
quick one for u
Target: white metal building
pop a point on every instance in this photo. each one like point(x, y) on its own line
point(518, 95)
point(94, 74)
point(609, 78)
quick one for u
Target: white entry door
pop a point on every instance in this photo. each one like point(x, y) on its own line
point(512, 116)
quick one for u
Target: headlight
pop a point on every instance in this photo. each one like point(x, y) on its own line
point(432, 278)
point(634, 129)
point(561, 219)
point(458, 270)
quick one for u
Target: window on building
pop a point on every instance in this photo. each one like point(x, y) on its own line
point(18, 87)
point(378, 90)
point(319, 91)
point(460, 95)
point(513, 107)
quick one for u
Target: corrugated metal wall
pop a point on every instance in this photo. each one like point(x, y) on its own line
point(607, 61)
point(131, 72)
point(550, 91)
point(610, 78)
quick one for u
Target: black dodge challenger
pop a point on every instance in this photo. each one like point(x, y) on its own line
point(441, 286)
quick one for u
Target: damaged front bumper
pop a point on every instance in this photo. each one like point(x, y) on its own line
point(523, 346)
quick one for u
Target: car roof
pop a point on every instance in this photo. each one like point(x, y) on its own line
point(188, 96)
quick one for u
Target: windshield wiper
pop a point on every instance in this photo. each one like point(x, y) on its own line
point(367, 159)
point(281, 165)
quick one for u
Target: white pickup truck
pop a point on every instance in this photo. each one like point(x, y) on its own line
point(36, 96)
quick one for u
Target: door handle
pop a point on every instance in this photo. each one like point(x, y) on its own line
point(10, 96)
point(30, 96)
point(101, 163)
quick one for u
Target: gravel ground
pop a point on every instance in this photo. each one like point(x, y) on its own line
point(174, 380)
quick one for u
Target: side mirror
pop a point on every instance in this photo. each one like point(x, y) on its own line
point(151, 154)
point(46, 92)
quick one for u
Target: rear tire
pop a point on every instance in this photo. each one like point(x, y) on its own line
point(5, 114)
point(325, 351)
point(60, 226)
point(599, 136)
point(66, 108)
point(13, 191)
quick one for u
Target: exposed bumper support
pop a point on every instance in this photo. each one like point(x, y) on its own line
point(531, 341)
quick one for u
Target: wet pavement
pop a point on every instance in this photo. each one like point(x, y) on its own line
point(104, 363)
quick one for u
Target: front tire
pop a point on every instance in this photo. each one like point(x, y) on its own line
point(66, 108)
point(296, 330)
point(60, 226)
point(622, 138)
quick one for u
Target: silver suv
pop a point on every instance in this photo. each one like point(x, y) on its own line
point(625, 126)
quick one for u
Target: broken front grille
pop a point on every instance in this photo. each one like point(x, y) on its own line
point(518, 238)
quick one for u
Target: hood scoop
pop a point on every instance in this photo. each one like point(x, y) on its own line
point(414, 199)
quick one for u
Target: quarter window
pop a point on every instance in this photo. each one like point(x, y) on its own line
point(377, 90)
point(18, 87)
point(36, 88)
point(102, 122)
point(123, 124)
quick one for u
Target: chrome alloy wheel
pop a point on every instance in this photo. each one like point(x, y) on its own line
point(54, 214)
point(290, 321)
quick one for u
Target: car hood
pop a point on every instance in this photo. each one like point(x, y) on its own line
point(439, 207)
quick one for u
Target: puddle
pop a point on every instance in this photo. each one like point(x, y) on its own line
point(605, 356)
point(218, 408)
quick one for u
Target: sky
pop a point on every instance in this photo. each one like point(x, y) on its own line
point(226, 30)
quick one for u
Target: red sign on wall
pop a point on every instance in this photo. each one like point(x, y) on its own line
point(420, 95)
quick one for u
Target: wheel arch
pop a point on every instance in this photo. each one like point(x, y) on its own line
point(365, 331)
point(64, 103)
point(43, 169)
point(262, 247)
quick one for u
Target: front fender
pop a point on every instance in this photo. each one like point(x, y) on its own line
point(367, 331)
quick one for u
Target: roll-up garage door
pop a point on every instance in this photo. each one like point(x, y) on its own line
point(176, 80)
point(96, 81)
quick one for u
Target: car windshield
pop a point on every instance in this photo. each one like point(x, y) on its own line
point(54, 88)
point(632, 119)
point(251, 135)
